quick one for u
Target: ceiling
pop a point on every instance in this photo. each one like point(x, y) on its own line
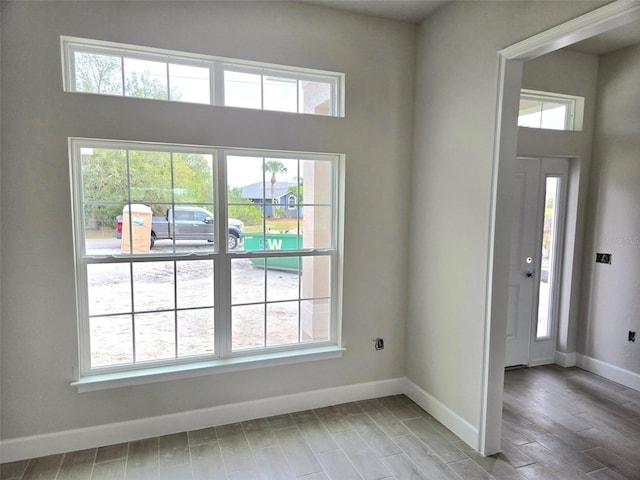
point(621, 37)
point(414, 11)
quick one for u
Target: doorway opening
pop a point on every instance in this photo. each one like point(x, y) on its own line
point(539, 189)
point(511, 59)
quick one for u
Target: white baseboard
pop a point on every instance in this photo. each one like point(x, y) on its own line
point(100, 435)
point(610, 372)
point(565, 359)
point(458, 425)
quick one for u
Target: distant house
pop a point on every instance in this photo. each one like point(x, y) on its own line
point(284, 197)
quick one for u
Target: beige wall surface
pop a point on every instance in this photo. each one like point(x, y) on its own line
point(452, 177)
point(611, 293)
point(39, 339)
point(415, 259)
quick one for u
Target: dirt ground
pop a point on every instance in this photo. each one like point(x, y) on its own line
point(162, 332)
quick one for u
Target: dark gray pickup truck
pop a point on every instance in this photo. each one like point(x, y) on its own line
point(190, 223)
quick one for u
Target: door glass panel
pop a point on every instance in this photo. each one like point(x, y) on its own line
point(547, 273)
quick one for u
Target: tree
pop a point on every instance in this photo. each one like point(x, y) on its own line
point(298, 191)
point(111, 179)
point(243, 208)
point(274, 167)
point(142, 85)
point(97, 73)
point(104, 179)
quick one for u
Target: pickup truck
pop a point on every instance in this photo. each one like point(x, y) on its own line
point(191, 223)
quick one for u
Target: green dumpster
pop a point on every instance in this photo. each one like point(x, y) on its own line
point(274, 241)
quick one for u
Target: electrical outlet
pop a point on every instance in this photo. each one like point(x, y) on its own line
point(632, 336)
point(379, 343)
point(603, 258)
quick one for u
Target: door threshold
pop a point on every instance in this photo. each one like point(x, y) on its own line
point(516, 367)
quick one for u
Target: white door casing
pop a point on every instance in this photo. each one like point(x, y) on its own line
point(509, 81)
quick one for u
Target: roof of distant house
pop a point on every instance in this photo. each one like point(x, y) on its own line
point(260, 190)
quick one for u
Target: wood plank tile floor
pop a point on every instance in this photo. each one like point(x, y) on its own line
point(558, 423)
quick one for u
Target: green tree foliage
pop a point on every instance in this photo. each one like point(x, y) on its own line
point(193, 179)
point(110, 181)
point(98, 73)
point(298, 191)
point(243, 208)
point(143, 85)
point(104, 180)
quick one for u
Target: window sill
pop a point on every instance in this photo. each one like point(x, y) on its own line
point(106, 381)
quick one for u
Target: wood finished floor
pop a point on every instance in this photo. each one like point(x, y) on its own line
point(558, 423)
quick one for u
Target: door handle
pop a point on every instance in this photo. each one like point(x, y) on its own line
point(530, 274)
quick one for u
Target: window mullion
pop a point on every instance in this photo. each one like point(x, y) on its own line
point(262, 90)
point(128, 205)
point(122, 74)
point(175, 308)
point(70, 77)
point(216, 83)
point(222, 269)
point(175, 263)
point(168, 81)
point(266, 303)
point(131, 278)
point(222, 312)
point(85, 326)
point(133, 314)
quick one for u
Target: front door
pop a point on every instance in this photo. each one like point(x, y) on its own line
point(538, 192)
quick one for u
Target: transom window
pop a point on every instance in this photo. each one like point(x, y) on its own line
point(550, 111)
point(159, 283)
point(108, 68)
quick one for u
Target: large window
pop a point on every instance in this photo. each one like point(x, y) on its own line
point(108, 68)
point(160, 283)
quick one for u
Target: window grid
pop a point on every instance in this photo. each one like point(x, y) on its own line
point(218, 257)
point(266, 302)
point(217, 66)
point(537, 110)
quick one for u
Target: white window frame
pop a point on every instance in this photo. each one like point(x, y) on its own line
point(217, 66)
point(574, 106)
point(224, 359)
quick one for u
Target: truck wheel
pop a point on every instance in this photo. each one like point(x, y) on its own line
point(153, 240)
point(233, 242)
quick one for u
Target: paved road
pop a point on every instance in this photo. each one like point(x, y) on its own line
point(110, 246)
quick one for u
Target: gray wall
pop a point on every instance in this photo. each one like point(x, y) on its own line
point(39, 343)
point(453, 67)
point(452, 175)
point(611, 293)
